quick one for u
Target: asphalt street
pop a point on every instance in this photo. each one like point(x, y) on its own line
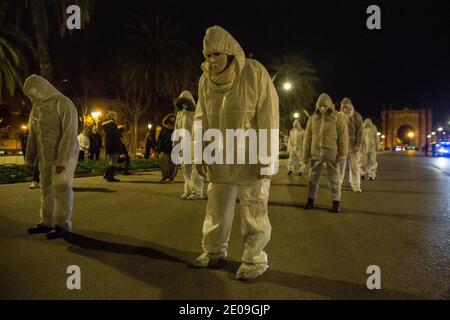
point(135, 240)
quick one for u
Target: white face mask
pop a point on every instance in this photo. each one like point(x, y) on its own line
point(323, 109)
point(218, 61)
point(346, 110)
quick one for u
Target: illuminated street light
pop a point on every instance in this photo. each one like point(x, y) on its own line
point(149, 126)
point(383, 136)
point(378, 133)
point(440, 129)
point(287, 86)
point(410, 134)
point(24, 127)
point(95, 115)
point(429, 136)
point(433, 133)
point(296, 115)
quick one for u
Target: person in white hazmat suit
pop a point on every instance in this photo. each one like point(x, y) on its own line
point(53, 143)
point(354, 126)
point(325, 142)
point(236, 93)
point(193, 182)
point(295, 148)
point(370, 147)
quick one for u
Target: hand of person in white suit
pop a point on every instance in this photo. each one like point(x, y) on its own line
point(60, 169)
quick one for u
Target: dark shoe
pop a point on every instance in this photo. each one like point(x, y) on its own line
point(300, 174)
point(290, 173)
point(57, 233)
point(112, 172)
point(309, 204)
point(39, 229)
point(336, 207)
point(363, 177)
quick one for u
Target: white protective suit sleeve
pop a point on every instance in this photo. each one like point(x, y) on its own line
point(267, 116)
point(342, 133)
point(307, 142)
point(200, 125)
point(69, 122)
point(31, 153)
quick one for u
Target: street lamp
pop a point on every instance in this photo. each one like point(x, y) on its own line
point(296, 115)
point(429, 136)
point(378, 133)
point(149, 126)
point(24, 127)
point(433, 133)
point(410, 134)
point(96, 114)
point(383, 136)
point(440, 129)
point(287, 86)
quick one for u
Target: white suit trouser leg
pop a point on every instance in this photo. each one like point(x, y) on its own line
point(255, 224)
point(295, 163)
point(57, 195)
point(187, 174)
point(372, 164)
point(333, 176)
point(369, 164)
point(354, 177)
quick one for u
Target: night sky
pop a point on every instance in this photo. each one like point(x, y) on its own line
point(406, 63)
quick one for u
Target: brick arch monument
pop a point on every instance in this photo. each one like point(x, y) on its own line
point(419, 119)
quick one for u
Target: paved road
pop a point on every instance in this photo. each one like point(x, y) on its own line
point(134, 239)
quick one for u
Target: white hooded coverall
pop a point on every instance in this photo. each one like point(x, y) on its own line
point(370, 147)
point(326, 141)
point(295, 148)
point(246, 99)
point(193, 182)
point(53, 142)
point(354, 125)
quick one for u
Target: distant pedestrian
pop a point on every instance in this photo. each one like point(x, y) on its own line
point(113, 145)
point(193, 182)
point(95, 145)
point(150, 144)
point(370, 148)
point(168, 168)
point(124, 157)
point(427, 146)
point(83, 141)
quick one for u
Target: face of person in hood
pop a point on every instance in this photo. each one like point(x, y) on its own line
point(35, 94)
point(346, 109)
point(323, 109)
point(217, 61)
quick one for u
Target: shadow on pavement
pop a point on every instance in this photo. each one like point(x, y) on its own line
point(153, 182)
point(168, 270)
point(104, 190)
point(95, 244)
point(318, 209)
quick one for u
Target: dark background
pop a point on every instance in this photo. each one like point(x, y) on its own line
point(405, 64)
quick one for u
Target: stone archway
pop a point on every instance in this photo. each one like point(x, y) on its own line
point(417, 120)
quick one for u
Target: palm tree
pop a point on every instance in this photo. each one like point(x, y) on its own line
point(300, 73)
point(155, 62)
point(13, 45)
point(41, 11)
